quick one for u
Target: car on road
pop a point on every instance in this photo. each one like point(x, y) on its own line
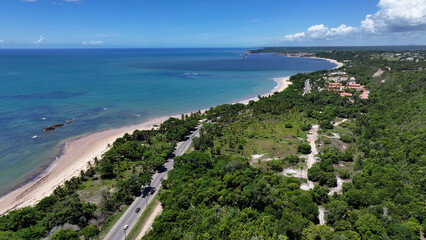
point(126, 227)
point(137, 210)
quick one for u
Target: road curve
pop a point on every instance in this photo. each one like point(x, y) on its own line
point(130, 217)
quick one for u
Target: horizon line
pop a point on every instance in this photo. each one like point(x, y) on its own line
point(260, 47)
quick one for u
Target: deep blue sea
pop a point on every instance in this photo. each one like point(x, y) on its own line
point(106, 88)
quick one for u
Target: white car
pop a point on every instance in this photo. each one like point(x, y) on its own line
point(126, 227)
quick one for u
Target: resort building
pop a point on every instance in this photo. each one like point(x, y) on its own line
point(339, 87)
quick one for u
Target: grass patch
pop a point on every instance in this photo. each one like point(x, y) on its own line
point(271, 136)
point(190, 148)
point(133, 234)
point(89, 190)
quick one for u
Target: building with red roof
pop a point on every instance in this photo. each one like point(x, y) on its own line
point(345, 94)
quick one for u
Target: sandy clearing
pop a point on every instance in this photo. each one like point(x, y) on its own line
point(321, 215)
point(337, 189)
point(378, 73)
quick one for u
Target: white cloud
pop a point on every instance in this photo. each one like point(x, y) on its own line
point(320, 31)
point(393, 16)
point(39, 41)
point(29, 0)
point(92, 42)
point(397, 16)
point(293, 37)
point(1, 41)
point(72, 0)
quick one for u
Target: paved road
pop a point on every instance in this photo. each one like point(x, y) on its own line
point(130, 217)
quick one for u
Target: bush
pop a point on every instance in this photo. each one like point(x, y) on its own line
point(65, 234)
point(342, 225)
point(335, 211)
point(304, 148)
point(306, 127)
point(331, 180)
point(293, 160)
point(346, 138)
point(89, 231)
point(344, 173)
point(33, 232)
point(324, 178)
point(320, 194)
point(314, 173)
point(288, 125)
point(327, 141)
point(275, 165)
point(326, 124)
point(107, 170)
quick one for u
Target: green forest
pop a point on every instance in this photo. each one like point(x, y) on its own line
point(235, 182)
point(217, 192)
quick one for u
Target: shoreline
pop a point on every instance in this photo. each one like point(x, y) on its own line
point(282, 84)
point(79, 151)
point(339, 64)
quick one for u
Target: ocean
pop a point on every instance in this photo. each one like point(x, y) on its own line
point(98, 89)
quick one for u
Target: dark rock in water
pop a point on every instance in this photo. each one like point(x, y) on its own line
point(53, 127)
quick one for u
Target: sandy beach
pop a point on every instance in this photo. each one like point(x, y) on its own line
point(282, 83)
point(78, 153)
point(339, 64)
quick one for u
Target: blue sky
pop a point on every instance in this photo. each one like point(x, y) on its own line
point(210, 23)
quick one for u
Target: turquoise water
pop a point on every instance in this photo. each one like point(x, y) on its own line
point(106, 88)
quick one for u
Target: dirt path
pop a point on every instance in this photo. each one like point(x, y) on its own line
point(341, 121)
point(312, 137)
point(321, 215)
point(303, 173)
point(148, 224)
point(337, 189)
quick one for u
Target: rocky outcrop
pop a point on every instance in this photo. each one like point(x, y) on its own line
point(53, 127)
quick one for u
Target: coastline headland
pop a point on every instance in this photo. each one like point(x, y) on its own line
point(78, 152)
